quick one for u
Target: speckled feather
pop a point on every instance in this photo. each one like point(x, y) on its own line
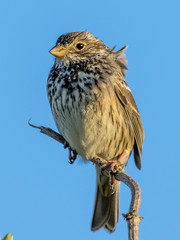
point(94, 108)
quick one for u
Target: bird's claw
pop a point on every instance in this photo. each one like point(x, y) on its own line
point(112, 167)
point(73, 157)
point(72, 153)
point(116, 165)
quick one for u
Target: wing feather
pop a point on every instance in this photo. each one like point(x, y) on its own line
point(126, 98)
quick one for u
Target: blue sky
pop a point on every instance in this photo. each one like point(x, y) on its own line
point(42, 196)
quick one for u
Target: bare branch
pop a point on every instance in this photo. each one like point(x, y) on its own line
point(132, 217)
point(49, 132)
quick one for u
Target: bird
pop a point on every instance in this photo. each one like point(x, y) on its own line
point(95, 111)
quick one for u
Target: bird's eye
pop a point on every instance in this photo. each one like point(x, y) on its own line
point(80, 46)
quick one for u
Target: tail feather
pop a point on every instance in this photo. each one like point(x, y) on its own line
point(106, 210)
point(114, 211)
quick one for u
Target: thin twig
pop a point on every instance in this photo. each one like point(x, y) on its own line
point(132, 217)
point(49, 132)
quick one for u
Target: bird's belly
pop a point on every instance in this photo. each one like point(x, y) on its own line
point(80, 127)
point(92, 129)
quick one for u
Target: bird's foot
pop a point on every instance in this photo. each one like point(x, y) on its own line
point(109, 168)
point(115, 166)
point(72, 157)
point(72, 153)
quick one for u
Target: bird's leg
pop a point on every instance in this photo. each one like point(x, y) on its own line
point(72, 158)
point(66, 144)
point(118, 164)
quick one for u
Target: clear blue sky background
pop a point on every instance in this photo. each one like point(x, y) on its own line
point(41, 195)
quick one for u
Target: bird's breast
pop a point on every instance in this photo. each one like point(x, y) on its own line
point(87, 114)
point(73, 100)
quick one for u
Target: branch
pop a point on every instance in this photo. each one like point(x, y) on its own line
point(132, 217)
point(49, 132)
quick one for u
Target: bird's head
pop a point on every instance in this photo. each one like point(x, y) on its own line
point(78, 46)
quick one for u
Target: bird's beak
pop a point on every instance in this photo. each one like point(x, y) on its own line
point(59, 51)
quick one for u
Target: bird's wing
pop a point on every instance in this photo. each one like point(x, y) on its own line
point(126, 98)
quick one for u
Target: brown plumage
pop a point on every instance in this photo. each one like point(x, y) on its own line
point(95, 112)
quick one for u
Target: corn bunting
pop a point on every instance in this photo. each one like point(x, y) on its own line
point(95, 112)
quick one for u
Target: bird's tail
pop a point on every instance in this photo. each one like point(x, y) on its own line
point(106, 210)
